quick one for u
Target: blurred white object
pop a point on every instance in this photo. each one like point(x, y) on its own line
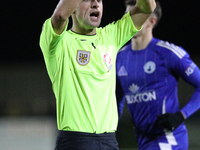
point(31, 133)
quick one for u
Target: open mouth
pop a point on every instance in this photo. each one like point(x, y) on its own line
point(94, 14)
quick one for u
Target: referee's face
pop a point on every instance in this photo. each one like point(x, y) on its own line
point(89, 13)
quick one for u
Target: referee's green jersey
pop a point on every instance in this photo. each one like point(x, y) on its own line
point(82, 72)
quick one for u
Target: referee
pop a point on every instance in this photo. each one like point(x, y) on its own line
point(81, 65)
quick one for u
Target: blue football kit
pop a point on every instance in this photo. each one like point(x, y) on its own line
point(149, 79)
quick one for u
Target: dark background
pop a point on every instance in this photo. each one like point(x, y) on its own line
point(25, 88)
point(21, 23)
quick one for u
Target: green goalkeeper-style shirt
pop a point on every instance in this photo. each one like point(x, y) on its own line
point(82, 71)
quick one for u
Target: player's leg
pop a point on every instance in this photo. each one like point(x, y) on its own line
point(177, 140)
point(182, 140)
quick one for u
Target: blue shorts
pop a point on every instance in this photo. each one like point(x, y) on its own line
point(176, 140)
point(69, 140)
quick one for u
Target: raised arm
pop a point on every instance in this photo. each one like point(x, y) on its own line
point(141, 11)
point(61, 14)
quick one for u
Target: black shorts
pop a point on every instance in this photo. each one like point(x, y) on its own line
point(69, 140)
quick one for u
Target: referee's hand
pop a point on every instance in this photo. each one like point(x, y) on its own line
point(170, 121)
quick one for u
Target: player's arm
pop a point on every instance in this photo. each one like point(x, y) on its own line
point(190, 72)
point(61, 14)
point(141, 11)
point(171, 121)
point(192, 76)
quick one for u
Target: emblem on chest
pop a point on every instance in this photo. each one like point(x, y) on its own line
point(83, 57)
point(149, 67)
point(108, 60)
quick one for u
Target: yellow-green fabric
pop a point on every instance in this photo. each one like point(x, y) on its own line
point(82, 72)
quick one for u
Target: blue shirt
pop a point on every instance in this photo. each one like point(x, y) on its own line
point(149, 79)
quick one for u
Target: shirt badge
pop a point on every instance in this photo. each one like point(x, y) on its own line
point(108, 60)
point(83, 57)
point(149, 67)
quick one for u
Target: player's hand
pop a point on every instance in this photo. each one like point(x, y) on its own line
point(170, 121)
